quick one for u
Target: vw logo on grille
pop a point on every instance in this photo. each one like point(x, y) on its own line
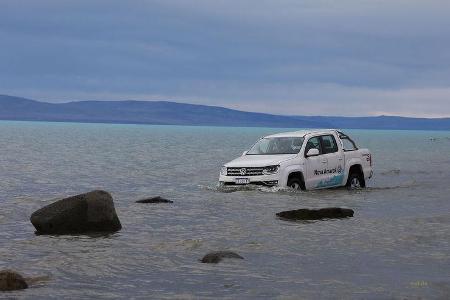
point(243, 171)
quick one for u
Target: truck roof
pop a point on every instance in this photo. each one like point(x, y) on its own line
point(302, 133)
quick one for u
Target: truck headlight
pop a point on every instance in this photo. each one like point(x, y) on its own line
point(223, 171)
point(270, 170)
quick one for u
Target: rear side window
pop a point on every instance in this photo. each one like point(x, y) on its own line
point(347, 143)
point(329, 144)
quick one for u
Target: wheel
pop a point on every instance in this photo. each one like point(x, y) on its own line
point(295, 183)
point(355, 181)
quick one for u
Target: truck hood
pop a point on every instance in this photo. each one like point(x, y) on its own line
point(259, 160)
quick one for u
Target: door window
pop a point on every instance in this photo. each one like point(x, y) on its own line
point(329, 144)
point(313, 143)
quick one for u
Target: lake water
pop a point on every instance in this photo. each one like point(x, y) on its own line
point(396, 246)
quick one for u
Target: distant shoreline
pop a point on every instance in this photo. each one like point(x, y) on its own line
point(182, 114)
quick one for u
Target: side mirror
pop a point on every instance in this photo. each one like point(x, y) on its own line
point(312, 152)
point(244, 153)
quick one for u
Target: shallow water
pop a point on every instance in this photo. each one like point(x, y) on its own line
point(397, 245)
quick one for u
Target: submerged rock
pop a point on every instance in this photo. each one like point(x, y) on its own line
point(90, 212)
point(215, 257)
point(316, 214)
point(36, 280)
point(11, 281)
point(157, 199)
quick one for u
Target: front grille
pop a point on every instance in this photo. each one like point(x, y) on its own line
point(266, 183)
point(244, 171)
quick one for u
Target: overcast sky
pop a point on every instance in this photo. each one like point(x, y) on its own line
point(316, 57)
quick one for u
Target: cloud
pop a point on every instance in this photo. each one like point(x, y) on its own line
point(331, 57)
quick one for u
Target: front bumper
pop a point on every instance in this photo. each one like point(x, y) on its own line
point(268, 180)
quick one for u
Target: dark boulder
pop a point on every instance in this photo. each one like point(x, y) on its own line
point(215, 257)
point(316, 214)
point(157, 199)
point(90, 212)
point(11, 281)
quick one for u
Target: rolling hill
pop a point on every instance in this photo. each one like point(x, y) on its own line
point(173, 113)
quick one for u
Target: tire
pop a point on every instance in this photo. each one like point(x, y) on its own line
point(355, 181)
point(295, 183)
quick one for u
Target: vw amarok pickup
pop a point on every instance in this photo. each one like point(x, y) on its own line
point(310, 159)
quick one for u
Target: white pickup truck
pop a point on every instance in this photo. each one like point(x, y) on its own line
point(310, 159)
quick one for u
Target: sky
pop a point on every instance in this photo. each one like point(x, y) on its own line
point(291, 57)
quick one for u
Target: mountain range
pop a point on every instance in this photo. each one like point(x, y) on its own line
point(173, 113)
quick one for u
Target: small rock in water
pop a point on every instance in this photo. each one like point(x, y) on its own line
point(157, 199)
point(215, 257)
point(11, 281)
point(90, 212)
point(316, 214)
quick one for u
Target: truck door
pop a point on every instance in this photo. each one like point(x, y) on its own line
point(335, 162)
point(316, 166)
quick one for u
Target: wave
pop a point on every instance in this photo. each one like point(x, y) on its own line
point(391, 172)
point(289, 191)
point(396, 172)
point(398, 186)
point(246, 188)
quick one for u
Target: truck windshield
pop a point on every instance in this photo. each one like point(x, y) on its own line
point(277, 145)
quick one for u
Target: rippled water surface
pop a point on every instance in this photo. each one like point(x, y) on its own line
point(397, 245)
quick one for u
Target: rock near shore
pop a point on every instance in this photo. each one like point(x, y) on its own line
point(157, 199)
point(216, 257)
point(316, 214)
point(90, 212)
point(11, 281)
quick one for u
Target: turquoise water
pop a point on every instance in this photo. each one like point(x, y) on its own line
point(396, 246)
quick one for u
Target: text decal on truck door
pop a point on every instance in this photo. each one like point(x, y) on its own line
point(329, 171)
